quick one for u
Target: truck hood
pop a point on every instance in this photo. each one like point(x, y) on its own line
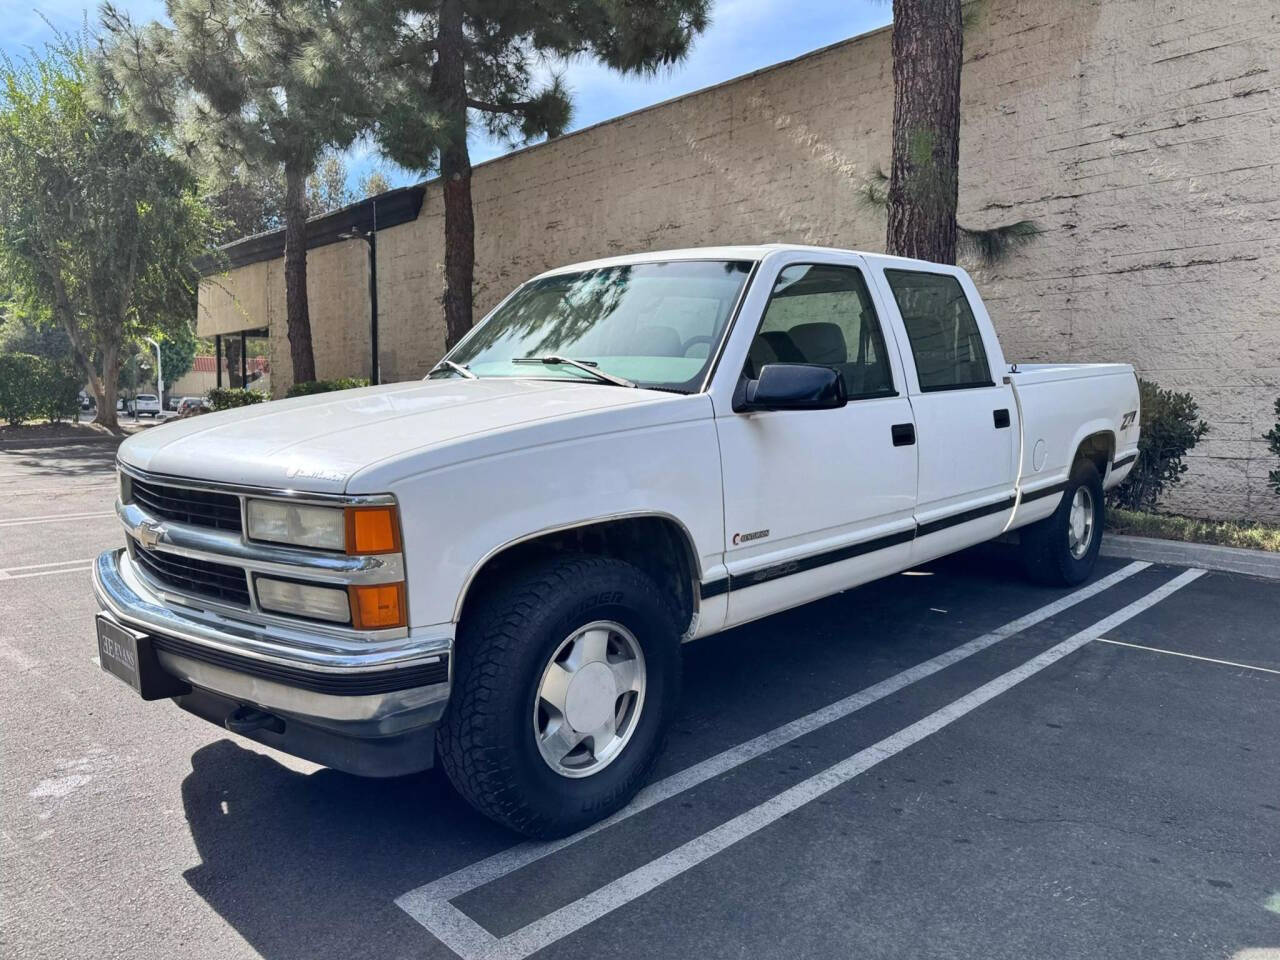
point(319, 443)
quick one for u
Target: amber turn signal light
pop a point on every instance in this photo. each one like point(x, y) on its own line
point(372, 530)
point(377, 607)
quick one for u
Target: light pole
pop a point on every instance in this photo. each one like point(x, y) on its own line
point(371, 238)
point(159, 375)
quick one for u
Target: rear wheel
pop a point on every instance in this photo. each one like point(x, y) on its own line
point(1062, 549)
point(566, 678)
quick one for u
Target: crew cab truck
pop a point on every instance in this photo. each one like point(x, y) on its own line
point(497, 565)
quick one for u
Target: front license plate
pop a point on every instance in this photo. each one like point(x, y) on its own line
point(127, 654)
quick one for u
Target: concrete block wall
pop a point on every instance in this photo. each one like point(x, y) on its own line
point(1142, 136)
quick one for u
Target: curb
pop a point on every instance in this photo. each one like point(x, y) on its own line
point(1254, 563)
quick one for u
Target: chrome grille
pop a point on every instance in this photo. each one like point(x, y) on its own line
point(201, 508)
point(215, 581)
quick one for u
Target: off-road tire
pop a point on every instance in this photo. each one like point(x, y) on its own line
point(1045, 550)
point(486, 741)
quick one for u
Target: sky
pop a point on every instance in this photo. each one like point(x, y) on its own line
point(744, 35)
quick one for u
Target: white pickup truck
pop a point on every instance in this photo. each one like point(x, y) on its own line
point(499, 564)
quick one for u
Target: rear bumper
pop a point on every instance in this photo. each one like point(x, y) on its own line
point(369, 710)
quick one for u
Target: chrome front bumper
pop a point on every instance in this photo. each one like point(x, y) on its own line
point(343, 688)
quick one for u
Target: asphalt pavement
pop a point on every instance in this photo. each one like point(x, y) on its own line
point(948, 763)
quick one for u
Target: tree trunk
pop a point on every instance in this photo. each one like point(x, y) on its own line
point(450, 81)
point(104, 389)
point(928, 45)
point(295, 274)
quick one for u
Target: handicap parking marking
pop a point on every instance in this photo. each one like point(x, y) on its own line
point(430, 904)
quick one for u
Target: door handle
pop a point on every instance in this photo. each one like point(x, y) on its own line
point(904, 434)
point(1001, 418)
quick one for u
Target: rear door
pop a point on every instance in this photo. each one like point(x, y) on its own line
point(965, 414)
point(817, 500)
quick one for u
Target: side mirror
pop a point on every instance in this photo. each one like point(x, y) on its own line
point(793, 386)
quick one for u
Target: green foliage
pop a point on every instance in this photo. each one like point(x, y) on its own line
point(505, 48)
point(177, 352)
point(227, 398)
point(1273, 444)
point(372, 185)
point(99, 227)
point(36, 388)
point(1251, 535)
point(245, 200)
point(308, 387)
point(238, 84)
point(994, 245)
point(327, 187)
point(1171, 426)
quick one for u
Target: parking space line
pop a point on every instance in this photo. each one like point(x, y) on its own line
point(560, 923)
point(55, 517)
point(46, 569)
point(1189, 656)
point(430, 906)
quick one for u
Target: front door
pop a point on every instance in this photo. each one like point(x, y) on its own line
point(817, 501)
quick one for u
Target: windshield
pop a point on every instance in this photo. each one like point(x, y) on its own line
point(656, 324)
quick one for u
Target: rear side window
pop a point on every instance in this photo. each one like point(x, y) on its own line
point(944, 335)
point(819, 313)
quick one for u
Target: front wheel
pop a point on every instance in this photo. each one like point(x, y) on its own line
point(566, 679)
point(1061, 549)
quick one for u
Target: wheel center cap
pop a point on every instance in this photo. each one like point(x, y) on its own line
point(591, 697)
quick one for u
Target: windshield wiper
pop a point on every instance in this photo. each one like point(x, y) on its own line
point(587, 366)
point(455, 367)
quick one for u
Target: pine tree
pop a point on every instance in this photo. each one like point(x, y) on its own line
point(928, 46)
point(446, 64)
point(238, 82)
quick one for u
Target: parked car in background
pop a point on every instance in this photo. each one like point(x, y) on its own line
point(624, 455)
point(190, 406)
point(87, 402)
point(145, 405)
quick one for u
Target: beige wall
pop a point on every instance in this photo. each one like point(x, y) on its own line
point(1142, 135)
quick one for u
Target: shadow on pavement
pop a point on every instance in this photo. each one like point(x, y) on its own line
point(307, 866)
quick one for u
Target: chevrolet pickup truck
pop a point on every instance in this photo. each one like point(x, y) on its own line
point(497, 565)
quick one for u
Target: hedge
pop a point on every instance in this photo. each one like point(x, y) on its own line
point(1171, 426)
point(308, 387)
point(34, 388)
point(227, 398)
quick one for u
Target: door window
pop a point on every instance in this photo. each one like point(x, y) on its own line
point(823, 314)
point(945, 339)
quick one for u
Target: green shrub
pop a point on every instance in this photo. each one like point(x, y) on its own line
point(308, 387)
point(19, 384)
point(34, 388)
point(227, 398)
point(1171, 426)
point(59, 393)
point(1273, 444)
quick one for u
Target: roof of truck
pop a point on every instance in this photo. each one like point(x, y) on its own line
point(739, 252)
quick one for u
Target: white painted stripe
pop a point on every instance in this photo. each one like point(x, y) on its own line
point(54, 518)
point(45, 566)
point(84, 566)
point(1189, 656)
point(429, 904)
point(568, 919)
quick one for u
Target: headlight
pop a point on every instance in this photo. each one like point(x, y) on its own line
point(299, 524)
point(320, 603)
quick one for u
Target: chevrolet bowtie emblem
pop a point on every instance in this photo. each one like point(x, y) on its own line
point(149, 533)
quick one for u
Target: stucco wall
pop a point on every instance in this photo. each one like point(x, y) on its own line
point(1143, 136)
